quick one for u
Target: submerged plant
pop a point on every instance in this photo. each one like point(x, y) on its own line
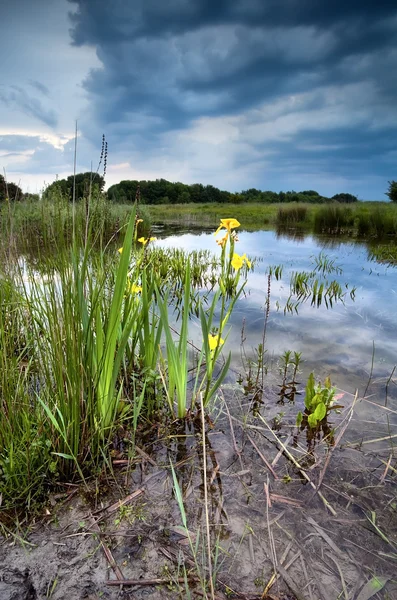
point(319, 401)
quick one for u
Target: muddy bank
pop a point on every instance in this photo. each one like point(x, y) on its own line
point(273, 534)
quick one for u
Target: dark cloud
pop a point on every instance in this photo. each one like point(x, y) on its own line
point(40, 87)
point(300, 83)
point(16, 96)
point(119, 20)
point(182, 59)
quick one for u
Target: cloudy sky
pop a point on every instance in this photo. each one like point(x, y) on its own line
point(274, 94)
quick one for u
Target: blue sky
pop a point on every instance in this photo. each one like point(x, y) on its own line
point(274, 94)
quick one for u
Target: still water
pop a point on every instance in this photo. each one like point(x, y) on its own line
point(342, 342)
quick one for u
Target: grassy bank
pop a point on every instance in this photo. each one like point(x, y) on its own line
point(364, 219)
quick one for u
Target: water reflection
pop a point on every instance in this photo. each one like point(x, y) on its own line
point(338, 342)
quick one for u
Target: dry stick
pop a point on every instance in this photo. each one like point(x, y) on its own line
point(157, 581)
point(372, 369)
point(308, 582)
point(387, 384)
point(236, 448)
point(108, 554)
point(277, 576)
point(387, 468)
point(342, 579)
point(207, 523)
point(300, 469)
point(263, 458)
point(145, 456)
point(280, 452)
point(338, 439)
point(74, 180)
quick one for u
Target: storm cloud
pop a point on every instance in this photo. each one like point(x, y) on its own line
point(238, 93)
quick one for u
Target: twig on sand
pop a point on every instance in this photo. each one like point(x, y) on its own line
point(235, 446)
point(260, 454)
point(299, 467)
point(107, 552)
point(337, 441)
point(145, 582)
point(207, 523)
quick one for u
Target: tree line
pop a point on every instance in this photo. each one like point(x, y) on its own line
point(161, 191)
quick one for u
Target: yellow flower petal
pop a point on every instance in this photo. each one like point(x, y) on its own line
point(237, 262)
point(138, 221)
point(142, 240)
point(228, 224)
point(246, 260)
point(215, 341)
point(135, 289)
point(120, 250)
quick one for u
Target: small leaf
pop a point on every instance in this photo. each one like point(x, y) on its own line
point(371, 588)
point(320, 411)
point(299, 419)
point(63, 455)
point(312, 421)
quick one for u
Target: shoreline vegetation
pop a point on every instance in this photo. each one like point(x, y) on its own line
point(36, 225)
point(97, 383)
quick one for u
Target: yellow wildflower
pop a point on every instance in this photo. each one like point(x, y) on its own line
point(138, 221)
point(246, 260)
point(145, 241)
point(120, 250)
point(228, 224)
point(215, 341)
point(135, 289)
point(238, 261)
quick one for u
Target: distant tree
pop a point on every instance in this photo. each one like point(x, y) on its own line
point(84, 181)
point(184, 197)
point(12, 190)
point(31, 197)
point(344, 198)
point(392, 191)
point(309, 193)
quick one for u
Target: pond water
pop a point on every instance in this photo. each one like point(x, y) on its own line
point(345, 342)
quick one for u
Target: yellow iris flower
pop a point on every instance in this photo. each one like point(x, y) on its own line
point(238, 261)
point(228, 224)
point(138, 221)
point(215, 341)
point(144, 241)
point(135, 289)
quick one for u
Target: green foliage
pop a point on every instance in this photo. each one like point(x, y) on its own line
point(9, 190)
point(333, 218)
point(162, 191)
point(344, 197)
point(392, 191)
point(319, 401)
point(291, 215)
point(87, 184)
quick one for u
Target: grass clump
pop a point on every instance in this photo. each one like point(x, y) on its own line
point(82, 355)
point(292, 214)
point(333, 218)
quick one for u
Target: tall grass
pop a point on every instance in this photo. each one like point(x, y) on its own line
point(82, 349)
point(333, 218)
point(292, 214)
